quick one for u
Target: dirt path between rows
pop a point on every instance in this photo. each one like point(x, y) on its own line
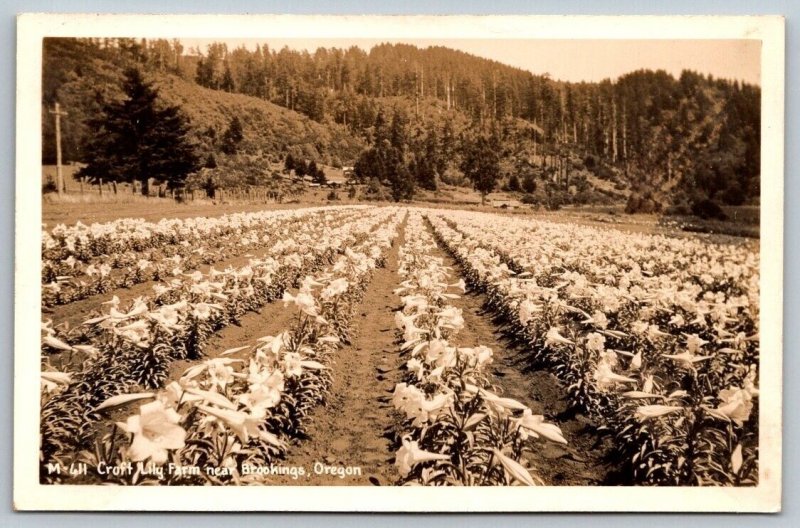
point(353, 432)
point(581, 463)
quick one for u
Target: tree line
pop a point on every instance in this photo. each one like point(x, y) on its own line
point(697, 134)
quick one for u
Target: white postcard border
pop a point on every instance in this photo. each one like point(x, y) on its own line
point(29, 494)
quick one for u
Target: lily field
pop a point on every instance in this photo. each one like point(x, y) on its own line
point(370, 345)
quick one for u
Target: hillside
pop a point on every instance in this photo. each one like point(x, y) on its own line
point(81, 76)
point(411, 118)
point(646, 132)
point(267, 127)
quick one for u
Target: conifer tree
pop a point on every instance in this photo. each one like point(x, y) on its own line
point(136, 139)
point(233, 136)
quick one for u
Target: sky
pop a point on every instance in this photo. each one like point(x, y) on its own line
point(572, 60)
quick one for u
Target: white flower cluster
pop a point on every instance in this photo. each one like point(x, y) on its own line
point(235, 394)
point(81, 261)
point(637, 312)
point(444, 378)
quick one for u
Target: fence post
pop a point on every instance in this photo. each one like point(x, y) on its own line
point(101, 186)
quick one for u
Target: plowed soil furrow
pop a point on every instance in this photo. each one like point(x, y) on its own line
point(582, 461)
point(355, 428)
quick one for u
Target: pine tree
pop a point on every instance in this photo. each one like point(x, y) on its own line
point(401, 181)
point(300, 168)
point(135, 139)
point(424, 173)
point(233, 136)
point(481, 164)
point(227, 83)
point(317, 173)
point(289, 163)
point(528, 183)
point(205, 73)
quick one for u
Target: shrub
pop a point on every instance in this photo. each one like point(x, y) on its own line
point(733, 195)
point(49, 187)
point(556, 200)
point(376, 191)
point(708, 209)
point(678, 209)
point(589, 196)
point(604, 172)
point(638, 203)
point(529, 183)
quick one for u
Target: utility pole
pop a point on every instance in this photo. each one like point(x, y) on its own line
point(59, 175)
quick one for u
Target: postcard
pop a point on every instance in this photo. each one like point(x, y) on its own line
point(398, 263)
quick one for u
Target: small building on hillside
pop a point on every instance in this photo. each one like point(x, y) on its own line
point(334, 177)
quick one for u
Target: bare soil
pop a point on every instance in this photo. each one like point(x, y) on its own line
point(356, 427)
point(271, 319)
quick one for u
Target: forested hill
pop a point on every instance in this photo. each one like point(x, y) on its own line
point(645, 132)
point(82, 76)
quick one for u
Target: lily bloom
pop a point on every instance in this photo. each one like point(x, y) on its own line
point(155, 431)
point(646, 412)
point(53, 380)
point(534, 424)
point(736, 405)
point(607, 378)
point(687, 358)
point(516, 470)
point(553, 337)
point(243, 425)
point(409, 455)
point(304, 301)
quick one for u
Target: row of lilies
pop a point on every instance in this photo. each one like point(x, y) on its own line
point(458, 429)
point(229, 418)
point(127, 348)
point(73, 269)
point(656, 338)
point(86, 242)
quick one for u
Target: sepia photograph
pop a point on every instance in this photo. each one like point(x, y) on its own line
point(527, 259)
